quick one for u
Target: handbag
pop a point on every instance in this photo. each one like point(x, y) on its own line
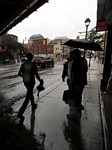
point(68, 98)
point(67, 95)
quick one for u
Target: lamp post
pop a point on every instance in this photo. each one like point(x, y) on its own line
point(87, 23)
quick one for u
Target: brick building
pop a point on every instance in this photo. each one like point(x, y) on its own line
point(38, 45)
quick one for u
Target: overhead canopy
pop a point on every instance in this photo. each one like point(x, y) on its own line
point(104, 14)
point(14, 11)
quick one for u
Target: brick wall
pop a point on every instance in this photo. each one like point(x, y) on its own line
point(50, 49)
point(38, 47)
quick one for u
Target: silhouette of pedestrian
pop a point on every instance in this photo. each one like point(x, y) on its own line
point(78, 76)
point(28, 71)
point(67, 69)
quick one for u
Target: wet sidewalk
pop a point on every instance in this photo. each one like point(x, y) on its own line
point(9, 67)
point(47, 128)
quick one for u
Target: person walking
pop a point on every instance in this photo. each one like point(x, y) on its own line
point(67, 69)
point(28, 71)
point(78, 77)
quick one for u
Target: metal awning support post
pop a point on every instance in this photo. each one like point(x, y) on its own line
point(90, 59)
point(107, 62)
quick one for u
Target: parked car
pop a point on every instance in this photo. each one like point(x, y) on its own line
point(37, 60)
point(44, 61)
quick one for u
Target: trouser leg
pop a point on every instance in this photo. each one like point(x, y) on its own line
point(68, 82)
point(29, 96)
point(23, 107)
point(32, 98)
point(77, 94)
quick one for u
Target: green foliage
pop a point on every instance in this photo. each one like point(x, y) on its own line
point(89, 53)
point(94, 36)
point(13, 48)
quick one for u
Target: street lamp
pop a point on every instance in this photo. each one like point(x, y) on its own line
point(87, 23)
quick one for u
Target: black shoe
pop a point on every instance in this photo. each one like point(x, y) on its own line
point(21, 120)
point(81, 107)
point(34, 106)
point(20, 116)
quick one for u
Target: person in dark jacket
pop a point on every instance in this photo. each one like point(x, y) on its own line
point(78, 76)
point(67, 69)
point(28, 71)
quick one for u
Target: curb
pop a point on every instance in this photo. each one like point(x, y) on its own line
point(105, 134)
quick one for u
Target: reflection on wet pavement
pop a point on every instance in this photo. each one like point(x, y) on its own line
point(32, 121)
point(72, 133)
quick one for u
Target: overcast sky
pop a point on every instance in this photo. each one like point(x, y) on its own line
point(58, 18)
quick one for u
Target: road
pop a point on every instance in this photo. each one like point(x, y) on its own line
point(47, 128)
point(13, 90)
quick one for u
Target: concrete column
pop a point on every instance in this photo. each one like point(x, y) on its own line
point(107, 69)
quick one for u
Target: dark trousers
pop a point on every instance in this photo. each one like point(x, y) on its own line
point(29, 96)
point(77, 94)
point(68, 82)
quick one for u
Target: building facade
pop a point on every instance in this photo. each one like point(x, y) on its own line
point(37, 45)
point(40, 46)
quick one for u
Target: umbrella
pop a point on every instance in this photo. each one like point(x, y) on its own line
point(84, 44)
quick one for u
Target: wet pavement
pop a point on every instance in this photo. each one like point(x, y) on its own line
point(48, 127)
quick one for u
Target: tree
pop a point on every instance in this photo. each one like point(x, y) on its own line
point(13, 48)
point(100, 38)
point(94, 36)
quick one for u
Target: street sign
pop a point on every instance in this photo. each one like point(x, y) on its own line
point(2, 48)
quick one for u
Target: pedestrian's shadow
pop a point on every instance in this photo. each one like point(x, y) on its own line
point(42, 135)
point(32, 121)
